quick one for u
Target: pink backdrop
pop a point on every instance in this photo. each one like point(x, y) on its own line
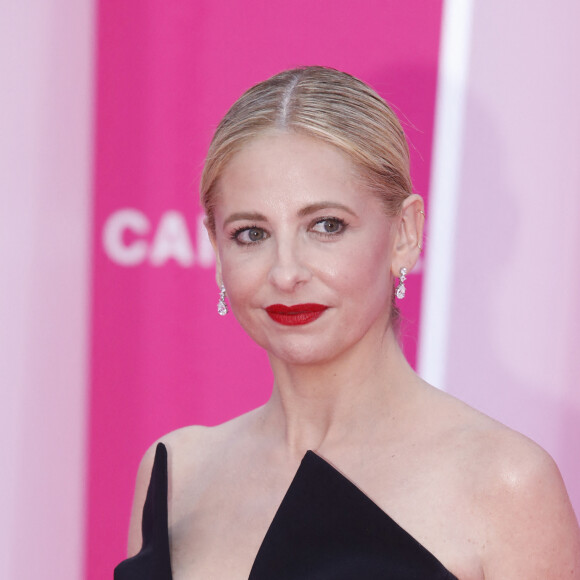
point(167, 71)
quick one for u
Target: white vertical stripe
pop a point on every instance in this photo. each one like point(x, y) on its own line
point(46, 49)
point(444, 188)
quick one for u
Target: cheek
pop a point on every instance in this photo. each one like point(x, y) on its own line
point(361, 266)
point(241, 277)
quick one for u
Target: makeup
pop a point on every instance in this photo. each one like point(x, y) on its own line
point(296, 314)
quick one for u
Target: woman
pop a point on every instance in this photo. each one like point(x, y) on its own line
point(310, 210)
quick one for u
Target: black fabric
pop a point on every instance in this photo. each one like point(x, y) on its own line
point(153, 562)
point(324, 529)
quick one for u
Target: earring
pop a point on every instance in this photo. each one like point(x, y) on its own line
point(222, 306)
point(400, 290)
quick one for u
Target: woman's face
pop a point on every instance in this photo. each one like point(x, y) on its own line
point(304, 250)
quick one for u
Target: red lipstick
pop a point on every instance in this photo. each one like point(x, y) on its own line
point(296, 314)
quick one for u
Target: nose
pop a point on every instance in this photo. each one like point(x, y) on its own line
point(289, 269)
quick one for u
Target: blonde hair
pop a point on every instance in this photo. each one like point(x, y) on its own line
point(326, 104)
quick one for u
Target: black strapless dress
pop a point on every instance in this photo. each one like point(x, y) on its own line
point(324, 529)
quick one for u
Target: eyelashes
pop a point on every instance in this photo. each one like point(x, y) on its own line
point(329, 226)
point(249, 235)
point(326, 227)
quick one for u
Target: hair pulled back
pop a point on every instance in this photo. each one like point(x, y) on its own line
point(326, 104)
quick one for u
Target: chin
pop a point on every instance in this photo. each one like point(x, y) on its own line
point(304, 353)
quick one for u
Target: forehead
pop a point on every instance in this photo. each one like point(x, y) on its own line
point(291, 167)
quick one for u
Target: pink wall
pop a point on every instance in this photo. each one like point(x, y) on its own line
point(515, 323)
point(167, 71)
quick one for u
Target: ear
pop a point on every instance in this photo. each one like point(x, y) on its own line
point(218, 265)
point(409, 236)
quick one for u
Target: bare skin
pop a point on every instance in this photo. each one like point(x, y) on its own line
point(486, 501)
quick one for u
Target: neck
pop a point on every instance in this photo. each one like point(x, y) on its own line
point(338, 402)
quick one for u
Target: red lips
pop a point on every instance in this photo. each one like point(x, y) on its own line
point(296, 314)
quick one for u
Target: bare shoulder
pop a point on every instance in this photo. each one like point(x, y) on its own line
point(174, 440)
point(532, 531)
point(529, 529)
point(188, 450)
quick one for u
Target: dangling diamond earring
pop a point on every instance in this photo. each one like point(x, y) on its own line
point(400, 290)
point(222, 307)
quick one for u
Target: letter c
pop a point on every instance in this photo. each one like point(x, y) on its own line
point(113, 243)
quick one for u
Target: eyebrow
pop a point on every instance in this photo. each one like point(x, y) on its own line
point(314, 207)
point(244, 215)
point(305, 211)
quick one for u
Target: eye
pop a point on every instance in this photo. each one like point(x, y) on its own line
point(329, 226)
point(249, 235)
